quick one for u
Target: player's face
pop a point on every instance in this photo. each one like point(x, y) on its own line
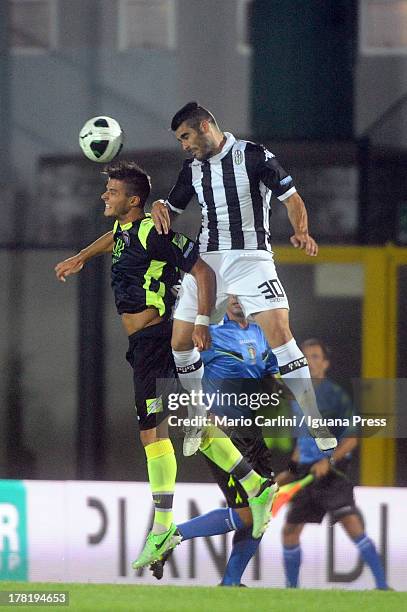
point(117, 202)
point(198, 143)
point(234, 307)
point(317, 363)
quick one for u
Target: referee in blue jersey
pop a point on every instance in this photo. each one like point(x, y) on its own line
point(332, 491)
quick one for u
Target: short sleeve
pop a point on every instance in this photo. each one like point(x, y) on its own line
point(273, 175)
point(174, 248)
point(183, 191)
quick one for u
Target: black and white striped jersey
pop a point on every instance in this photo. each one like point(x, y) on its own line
point(234, 189)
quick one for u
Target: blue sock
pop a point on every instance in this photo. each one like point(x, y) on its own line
point(244, 548)
point(292, 562)
point(212, 523)
point(369, 555)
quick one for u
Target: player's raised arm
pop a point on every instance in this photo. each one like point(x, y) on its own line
point(273, 175)
point(72, 265)
point(297, 214)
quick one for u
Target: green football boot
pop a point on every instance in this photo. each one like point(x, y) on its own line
point(156, 545)
point(261, 506)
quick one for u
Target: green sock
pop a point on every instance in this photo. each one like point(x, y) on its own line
point(162, 472)
point(221, 450)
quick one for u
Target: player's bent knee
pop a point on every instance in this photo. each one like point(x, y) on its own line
point(344, 512)
point(275, 324)
point(288, 529)
point(148, 436)
point(353, 524)
point(182, 345)
point(181, 339)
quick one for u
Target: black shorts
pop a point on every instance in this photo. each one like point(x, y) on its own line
point(332, 493)
point(154, 373)
point(255, 451)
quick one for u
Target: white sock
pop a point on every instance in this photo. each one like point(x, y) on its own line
point(296, 375)
point(190, 371)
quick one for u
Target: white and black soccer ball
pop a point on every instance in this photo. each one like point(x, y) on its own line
point(101, 139)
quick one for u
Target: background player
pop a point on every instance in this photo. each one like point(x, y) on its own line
point(234, 180)
point(239, 353)
point(331, 491)
point(144, 269)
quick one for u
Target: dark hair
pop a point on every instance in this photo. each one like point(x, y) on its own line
point(137, 181)
point(317, 342)
point(193, 114)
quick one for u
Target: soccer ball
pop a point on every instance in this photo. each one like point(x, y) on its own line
point(101, 139)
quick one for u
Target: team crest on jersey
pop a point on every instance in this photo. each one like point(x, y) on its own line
point(251, 349)
point(238, 157)
point(126, 237)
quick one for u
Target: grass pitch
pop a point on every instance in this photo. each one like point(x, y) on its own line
point(117, 597)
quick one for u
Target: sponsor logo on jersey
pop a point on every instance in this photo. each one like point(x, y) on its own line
point(118, 249)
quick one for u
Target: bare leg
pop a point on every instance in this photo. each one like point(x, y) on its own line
point(353, 526)
point(190, 371)
point(294, 369)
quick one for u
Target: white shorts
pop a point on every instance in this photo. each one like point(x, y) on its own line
point(251, 275)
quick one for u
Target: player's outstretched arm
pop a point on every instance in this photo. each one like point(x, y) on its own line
point(72, 265)
point(162, 216)
point(206, 281)
point(297, 214)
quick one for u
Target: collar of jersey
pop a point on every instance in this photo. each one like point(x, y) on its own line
point(230, 141)
point(227, 320)
point(129, 225)
point(126, 226)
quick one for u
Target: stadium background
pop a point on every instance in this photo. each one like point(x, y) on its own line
point(323, 88)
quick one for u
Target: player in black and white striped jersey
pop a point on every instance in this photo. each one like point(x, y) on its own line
point(234, 180)
point(235, 203)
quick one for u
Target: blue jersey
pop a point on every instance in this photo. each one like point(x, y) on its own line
point(333, 402)
point(236, 353)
